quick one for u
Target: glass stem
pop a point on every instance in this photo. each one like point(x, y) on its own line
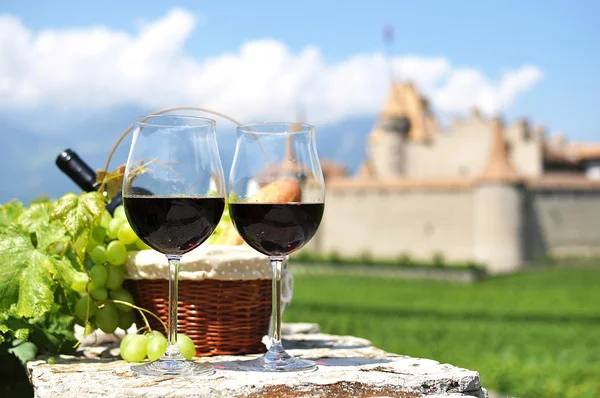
point(276, 302)
point(173, 353)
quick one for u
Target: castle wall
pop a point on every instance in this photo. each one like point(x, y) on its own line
point(463, 152)
point(389, 223)
point(459, 153)
point(562, 222)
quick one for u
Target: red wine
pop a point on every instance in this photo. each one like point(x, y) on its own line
point(173, 225)
point(276, 229)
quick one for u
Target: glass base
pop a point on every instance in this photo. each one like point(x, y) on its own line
point(277, 360)
point(173, 368)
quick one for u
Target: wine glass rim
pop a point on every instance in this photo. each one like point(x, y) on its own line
point(257, 128)
point(199, 121)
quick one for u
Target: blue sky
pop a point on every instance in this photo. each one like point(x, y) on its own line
point(67, 63)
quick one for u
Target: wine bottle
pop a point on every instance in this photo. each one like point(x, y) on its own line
point(69, 162)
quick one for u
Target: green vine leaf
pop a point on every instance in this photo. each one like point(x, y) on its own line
point(53, 239)
point(78, 212)
point(26, 284)
point(15, 251)
point(24, 350)
point(36, 217)
point(36, 294)
point(10, 212)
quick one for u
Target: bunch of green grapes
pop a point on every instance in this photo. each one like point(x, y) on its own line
point(152, 345)
point(106, 254)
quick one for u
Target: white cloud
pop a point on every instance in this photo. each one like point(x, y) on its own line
point(96, 68)
point(467, 88)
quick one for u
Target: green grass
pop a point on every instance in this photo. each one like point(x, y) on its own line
point(534, 334)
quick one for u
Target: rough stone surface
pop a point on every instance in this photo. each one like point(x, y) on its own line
point(347, 366)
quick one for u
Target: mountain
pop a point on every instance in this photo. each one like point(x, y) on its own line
point(27, 162)
point(345, 141)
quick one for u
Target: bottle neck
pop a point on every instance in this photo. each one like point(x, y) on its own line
point(77, 170)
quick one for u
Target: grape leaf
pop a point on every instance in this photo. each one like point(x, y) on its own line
point(24, 350)
point(15, 251)
point(53, 238)
point(10, 212)
point(36, 217)
point(112, 181)
point(67, 273)
point(79, 212)
point(25, 275)
point(3, 330)
point(36, 293)
point(53, 331)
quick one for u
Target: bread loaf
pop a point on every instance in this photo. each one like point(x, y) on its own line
point(282, 191)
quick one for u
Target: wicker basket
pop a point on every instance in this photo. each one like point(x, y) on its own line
point(221, 317)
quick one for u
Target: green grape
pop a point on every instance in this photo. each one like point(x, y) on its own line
point(99, 293)
point(113, 227)
point(91, 286)
point(125, 320)
point(120, 212)
point(186, 346)
point(135, 349)
point(141, 245)
point(99, 275)
point(51, 361)
point(85, 308)
point(98, 254)
point(116, 253)
point(125, 341)
point(80, 282)
point(126, 234)
point(122, 295)
point(87, 261)
point(157, 345)
point(131, 248)
point(91, 243)
point(154, 333)
point(98, 233)
point(105, 220)
point(107, 318)
point(116, 276)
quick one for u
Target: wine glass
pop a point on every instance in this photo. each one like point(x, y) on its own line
point(276, 202)
point(174, 196)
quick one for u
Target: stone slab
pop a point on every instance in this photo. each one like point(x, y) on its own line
point(347, 366)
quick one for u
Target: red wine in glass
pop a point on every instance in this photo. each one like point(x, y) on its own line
point(174, 225)
point(276, 229)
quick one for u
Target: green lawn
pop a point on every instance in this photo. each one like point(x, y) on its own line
point(533, 334)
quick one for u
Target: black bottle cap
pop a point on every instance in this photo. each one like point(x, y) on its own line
point(73, 166)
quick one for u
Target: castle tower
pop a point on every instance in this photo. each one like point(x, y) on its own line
point(387, 148)
point(405, 118)
point(387, 142)
point(498, 210)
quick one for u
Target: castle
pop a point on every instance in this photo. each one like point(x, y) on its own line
point(500, 195)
